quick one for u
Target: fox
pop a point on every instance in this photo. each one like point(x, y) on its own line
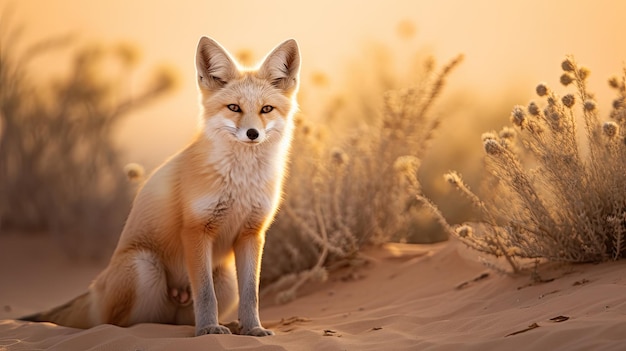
point(190, 250)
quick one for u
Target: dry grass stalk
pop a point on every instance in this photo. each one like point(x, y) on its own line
point(339, 199)
point(59, 166)
point(566, 200)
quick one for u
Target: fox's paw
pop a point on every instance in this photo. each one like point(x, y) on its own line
point(180, 296)
point(213, 329)
point(257, 331)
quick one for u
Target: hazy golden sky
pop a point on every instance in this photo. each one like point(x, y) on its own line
point(509, 45)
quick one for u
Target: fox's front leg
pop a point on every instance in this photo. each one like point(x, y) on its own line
point(198, 249)
point(248, 249)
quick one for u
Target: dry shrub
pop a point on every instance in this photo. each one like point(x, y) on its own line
point(557, 190)
point(343, 196)
point(60, 170)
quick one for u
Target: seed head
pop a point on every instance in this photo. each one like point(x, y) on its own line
point(590, 105)
point(488, 136)
point(453, 178)
point(568, 100)
point(304, 128)
point(610, 129)
point(128, 54)
point(134, 172)
point(492, 147)
point(614, 82)
point(464, 231)
point(542, 89)
point(552, 114)
point(320, 79)
point(406, 29)
point(339, 157)
point(533, 109)
point(566, 79)
point(568, 65)
point(165, 78)
point(618, 103)
point(507, 133)
point(584, 72)
point(518, 116)
point(406, 164)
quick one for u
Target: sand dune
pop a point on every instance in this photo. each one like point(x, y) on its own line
point(410, 297)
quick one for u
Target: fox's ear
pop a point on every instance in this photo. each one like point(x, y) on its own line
point(282, 66)
point(214, 66)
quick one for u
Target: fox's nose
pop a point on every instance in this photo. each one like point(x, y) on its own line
point(252, 133)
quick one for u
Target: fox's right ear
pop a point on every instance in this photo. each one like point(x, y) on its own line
point(214, 65)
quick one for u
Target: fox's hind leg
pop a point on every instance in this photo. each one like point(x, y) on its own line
point(152, 304)
point(181, 297)
point(225, 280)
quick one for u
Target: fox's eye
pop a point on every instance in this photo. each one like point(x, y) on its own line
point(234, 107)
point(267, 109)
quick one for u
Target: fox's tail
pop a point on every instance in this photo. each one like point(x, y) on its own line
point(75, 313)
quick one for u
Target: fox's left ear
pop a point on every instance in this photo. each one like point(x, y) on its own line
point(282, 66)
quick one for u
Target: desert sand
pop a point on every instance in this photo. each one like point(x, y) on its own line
point(409, 297)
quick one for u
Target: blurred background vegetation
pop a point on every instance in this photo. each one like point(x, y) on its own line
point(60, 169)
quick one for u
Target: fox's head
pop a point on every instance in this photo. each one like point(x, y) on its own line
point(243, 105)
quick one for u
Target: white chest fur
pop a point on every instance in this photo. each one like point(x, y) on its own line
point(247, 190)
point(247, 183)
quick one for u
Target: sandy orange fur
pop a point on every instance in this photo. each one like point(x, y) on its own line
point(202, 215)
